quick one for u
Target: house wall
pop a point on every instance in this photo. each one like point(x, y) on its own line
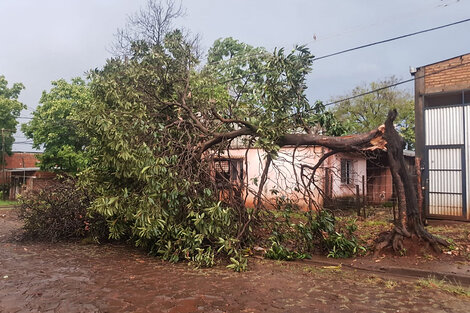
point(441, 106)
point(30, 180)
point(21, 181)
point(17, 160)
point(21, 159)
point(379, 185)
point(4, 177)
point(283, 176)
point(341, 190)
point(449, 75)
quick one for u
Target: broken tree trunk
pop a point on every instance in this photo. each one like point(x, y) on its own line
point(412, 227)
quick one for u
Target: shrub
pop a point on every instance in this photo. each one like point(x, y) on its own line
point(59, 212)
point(311, 232)
point(4, 190)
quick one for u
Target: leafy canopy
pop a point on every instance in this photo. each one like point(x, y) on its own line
point(54, 128)
point(367, 112)
point(10, 109)
point(156, 120)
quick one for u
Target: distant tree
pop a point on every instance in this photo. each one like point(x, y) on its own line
point(148, 27)
point(53, 126)
point(10, 109)
point(367, 112)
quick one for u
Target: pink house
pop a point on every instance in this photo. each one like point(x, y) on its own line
point(342, 175)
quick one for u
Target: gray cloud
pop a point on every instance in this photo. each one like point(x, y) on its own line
point(46, 40)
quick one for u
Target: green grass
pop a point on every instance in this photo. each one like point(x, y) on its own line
point(433, 283)
point(7, 202)
point(373, 223)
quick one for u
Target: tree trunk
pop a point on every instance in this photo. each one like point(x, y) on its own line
point(413, 227)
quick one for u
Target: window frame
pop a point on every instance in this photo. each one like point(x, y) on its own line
point(347, 171)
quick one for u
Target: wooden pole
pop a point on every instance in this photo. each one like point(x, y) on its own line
point(3, 164)
point(358, 201)
point(364, 195)
point(4, 178)
point(419, 190)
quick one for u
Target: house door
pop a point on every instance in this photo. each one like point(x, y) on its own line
point(445, 175)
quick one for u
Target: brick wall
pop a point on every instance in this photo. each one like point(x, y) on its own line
point(449, 76)
point(19, 160)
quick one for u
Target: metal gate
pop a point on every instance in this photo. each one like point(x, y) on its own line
point(446, 172)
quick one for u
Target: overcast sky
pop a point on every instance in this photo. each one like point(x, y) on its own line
point(42, 41)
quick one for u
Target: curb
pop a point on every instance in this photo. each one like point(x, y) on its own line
point(399, 271)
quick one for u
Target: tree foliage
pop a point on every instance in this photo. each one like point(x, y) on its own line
point(53, 126)
point(58, 211)
point(158, 118)
point(10, 109)
point(367, 112)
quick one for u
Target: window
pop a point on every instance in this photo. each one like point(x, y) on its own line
point(347, 174)
point(228, 171)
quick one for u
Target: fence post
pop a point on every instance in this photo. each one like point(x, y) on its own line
point(419, 190)
point(358, 201)
point(364, 195)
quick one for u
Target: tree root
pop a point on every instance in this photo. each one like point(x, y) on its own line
point(397, 235)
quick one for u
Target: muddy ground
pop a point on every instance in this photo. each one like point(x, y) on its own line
point(71, 277)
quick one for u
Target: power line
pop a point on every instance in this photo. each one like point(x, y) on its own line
point(391, 39)
point(350, 49)
point(388, 20)
point(341, 52)
point(324, 56)
point(358, 47)
point(396, 84)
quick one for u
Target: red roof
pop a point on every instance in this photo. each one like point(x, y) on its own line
point(21, 160)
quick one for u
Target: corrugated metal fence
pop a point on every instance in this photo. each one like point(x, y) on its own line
point(445, 151)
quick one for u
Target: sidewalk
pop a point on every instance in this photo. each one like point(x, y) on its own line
point(453, 272)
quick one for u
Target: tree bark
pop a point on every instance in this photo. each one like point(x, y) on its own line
point(407, 199)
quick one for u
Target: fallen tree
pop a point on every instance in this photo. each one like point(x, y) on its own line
point(158, 121)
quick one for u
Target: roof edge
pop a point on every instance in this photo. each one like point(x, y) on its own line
point(458, 56)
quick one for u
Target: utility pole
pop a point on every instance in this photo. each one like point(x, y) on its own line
point(4, 178)
point(3, 163)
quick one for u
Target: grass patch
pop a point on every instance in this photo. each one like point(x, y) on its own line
point(433, 283)
point(391, 284)
point(7, 202)
point(375, 223)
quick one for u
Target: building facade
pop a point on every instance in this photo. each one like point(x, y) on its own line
point(341, 176)
point(21, 173)
point(442, 114)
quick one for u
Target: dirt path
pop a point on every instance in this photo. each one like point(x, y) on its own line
point(38, 277)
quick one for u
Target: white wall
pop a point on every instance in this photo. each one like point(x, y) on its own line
point(284, 175)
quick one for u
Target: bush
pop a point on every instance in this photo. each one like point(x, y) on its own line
point(4, 191)
point(59, 212)
point(311, 232)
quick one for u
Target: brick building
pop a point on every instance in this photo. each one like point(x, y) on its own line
point(442, 113)
point(22, 173)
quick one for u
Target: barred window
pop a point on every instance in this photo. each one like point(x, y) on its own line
point(347, 173)
point(228, 171)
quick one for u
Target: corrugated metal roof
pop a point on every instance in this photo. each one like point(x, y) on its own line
point(22, 169)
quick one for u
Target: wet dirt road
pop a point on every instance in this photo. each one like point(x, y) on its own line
point(70, 277)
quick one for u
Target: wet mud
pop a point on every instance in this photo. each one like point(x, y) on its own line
point(71, 277)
